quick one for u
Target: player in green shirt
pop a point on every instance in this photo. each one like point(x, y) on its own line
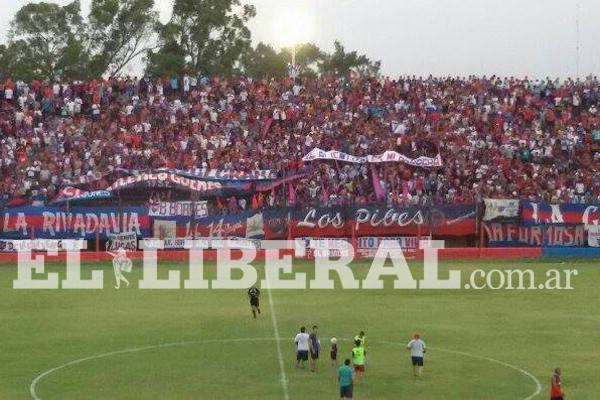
point(358, 359)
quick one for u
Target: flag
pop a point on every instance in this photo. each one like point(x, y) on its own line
point(266, 126)
point(405, 193)
point(291, 195)
point(376, 184)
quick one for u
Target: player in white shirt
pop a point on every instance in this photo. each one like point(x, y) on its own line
point(417, 352)
point(302, 345)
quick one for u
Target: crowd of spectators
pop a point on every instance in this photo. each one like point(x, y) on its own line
point(497, 137)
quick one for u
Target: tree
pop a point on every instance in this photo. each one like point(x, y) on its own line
point(46, 31)
point(50, 41)
point(308, 56)
point(212, 35)
point(120, 31)
point(340, 62)
point(169, 61)
point(264, 62)
point(16, 61)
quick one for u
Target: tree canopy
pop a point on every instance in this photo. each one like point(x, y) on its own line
point(48, 40)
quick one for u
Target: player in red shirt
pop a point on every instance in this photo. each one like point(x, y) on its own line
point(556, 392)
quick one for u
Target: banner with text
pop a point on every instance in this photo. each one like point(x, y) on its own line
point(514, 235)
point(77, 222)
point(544, 213)
point(388, 156)
point(500, 208)
point(456, 220)
point(198, 209)
point(10, 245)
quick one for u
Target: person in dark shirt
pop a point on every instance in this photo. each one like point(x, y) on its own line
point(315, 345)
point(333, 351)
point(254, 296)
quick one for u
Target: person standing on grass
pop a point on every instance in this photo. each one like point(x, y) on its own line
point(556, 392)
point(121, 263)
point(315, 346)
point(417, 353)
point(362, 338)
point(346, 380)
point(359, 356)
point(333, 352)
point(254, 296)
point(301, 340)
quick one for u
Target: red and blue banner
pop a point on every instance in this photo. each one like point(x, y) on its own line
point(278, 223)
point(515, 235)
point(543, 213)
point(450, 220)
point(74, 223)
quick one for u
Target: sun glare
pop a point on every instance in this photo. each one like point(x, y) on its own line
point(295, 26)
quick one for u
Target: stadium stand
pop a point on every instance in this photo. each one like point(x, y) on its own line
point(536, 140)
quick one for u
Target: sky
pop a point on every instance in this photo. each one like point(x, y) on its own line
point(534, 38)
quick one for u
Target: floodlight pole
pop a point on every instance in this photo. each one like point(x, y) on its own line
point(294, 70)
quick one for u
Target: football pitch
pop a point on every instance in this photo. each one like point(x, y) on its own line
point(204, 344)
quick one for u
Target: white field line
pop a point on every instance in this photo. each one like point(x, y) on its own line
point(36, 381)
point(283, 377)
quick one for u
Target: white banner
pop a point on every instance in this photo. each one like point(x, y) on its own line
point(495, 208)
point(366, 246)
point(9, 245)
point(178, 209)
point(200, 243)
point(388, 156)
point(593, 235)
point(373, 242)
point(127, 241)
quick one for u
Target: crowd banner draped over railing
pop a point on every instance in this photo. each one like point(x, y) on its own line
point(178, 208)
point(333, 222)
point(166, 180)
point(539, 225)
point(500, 208)
point(75, 223)
point(514, 235)
point(203, 187)
point(10, 245)
point(225, 175)
point(126, 241)
point(388, 156)
point(563, 213)
point(70, 193)
point(373, 220)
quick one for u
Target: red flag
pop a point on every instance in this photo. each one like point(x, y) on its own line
point(291, 195)
point(325, 194)
point(266, 127)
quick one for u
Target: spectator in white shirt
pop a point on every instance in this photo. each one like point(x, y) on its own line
point(417, 352)
point(302, 345)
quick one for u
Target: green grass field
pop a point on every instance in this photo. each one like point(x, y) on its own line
point(204, 344)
